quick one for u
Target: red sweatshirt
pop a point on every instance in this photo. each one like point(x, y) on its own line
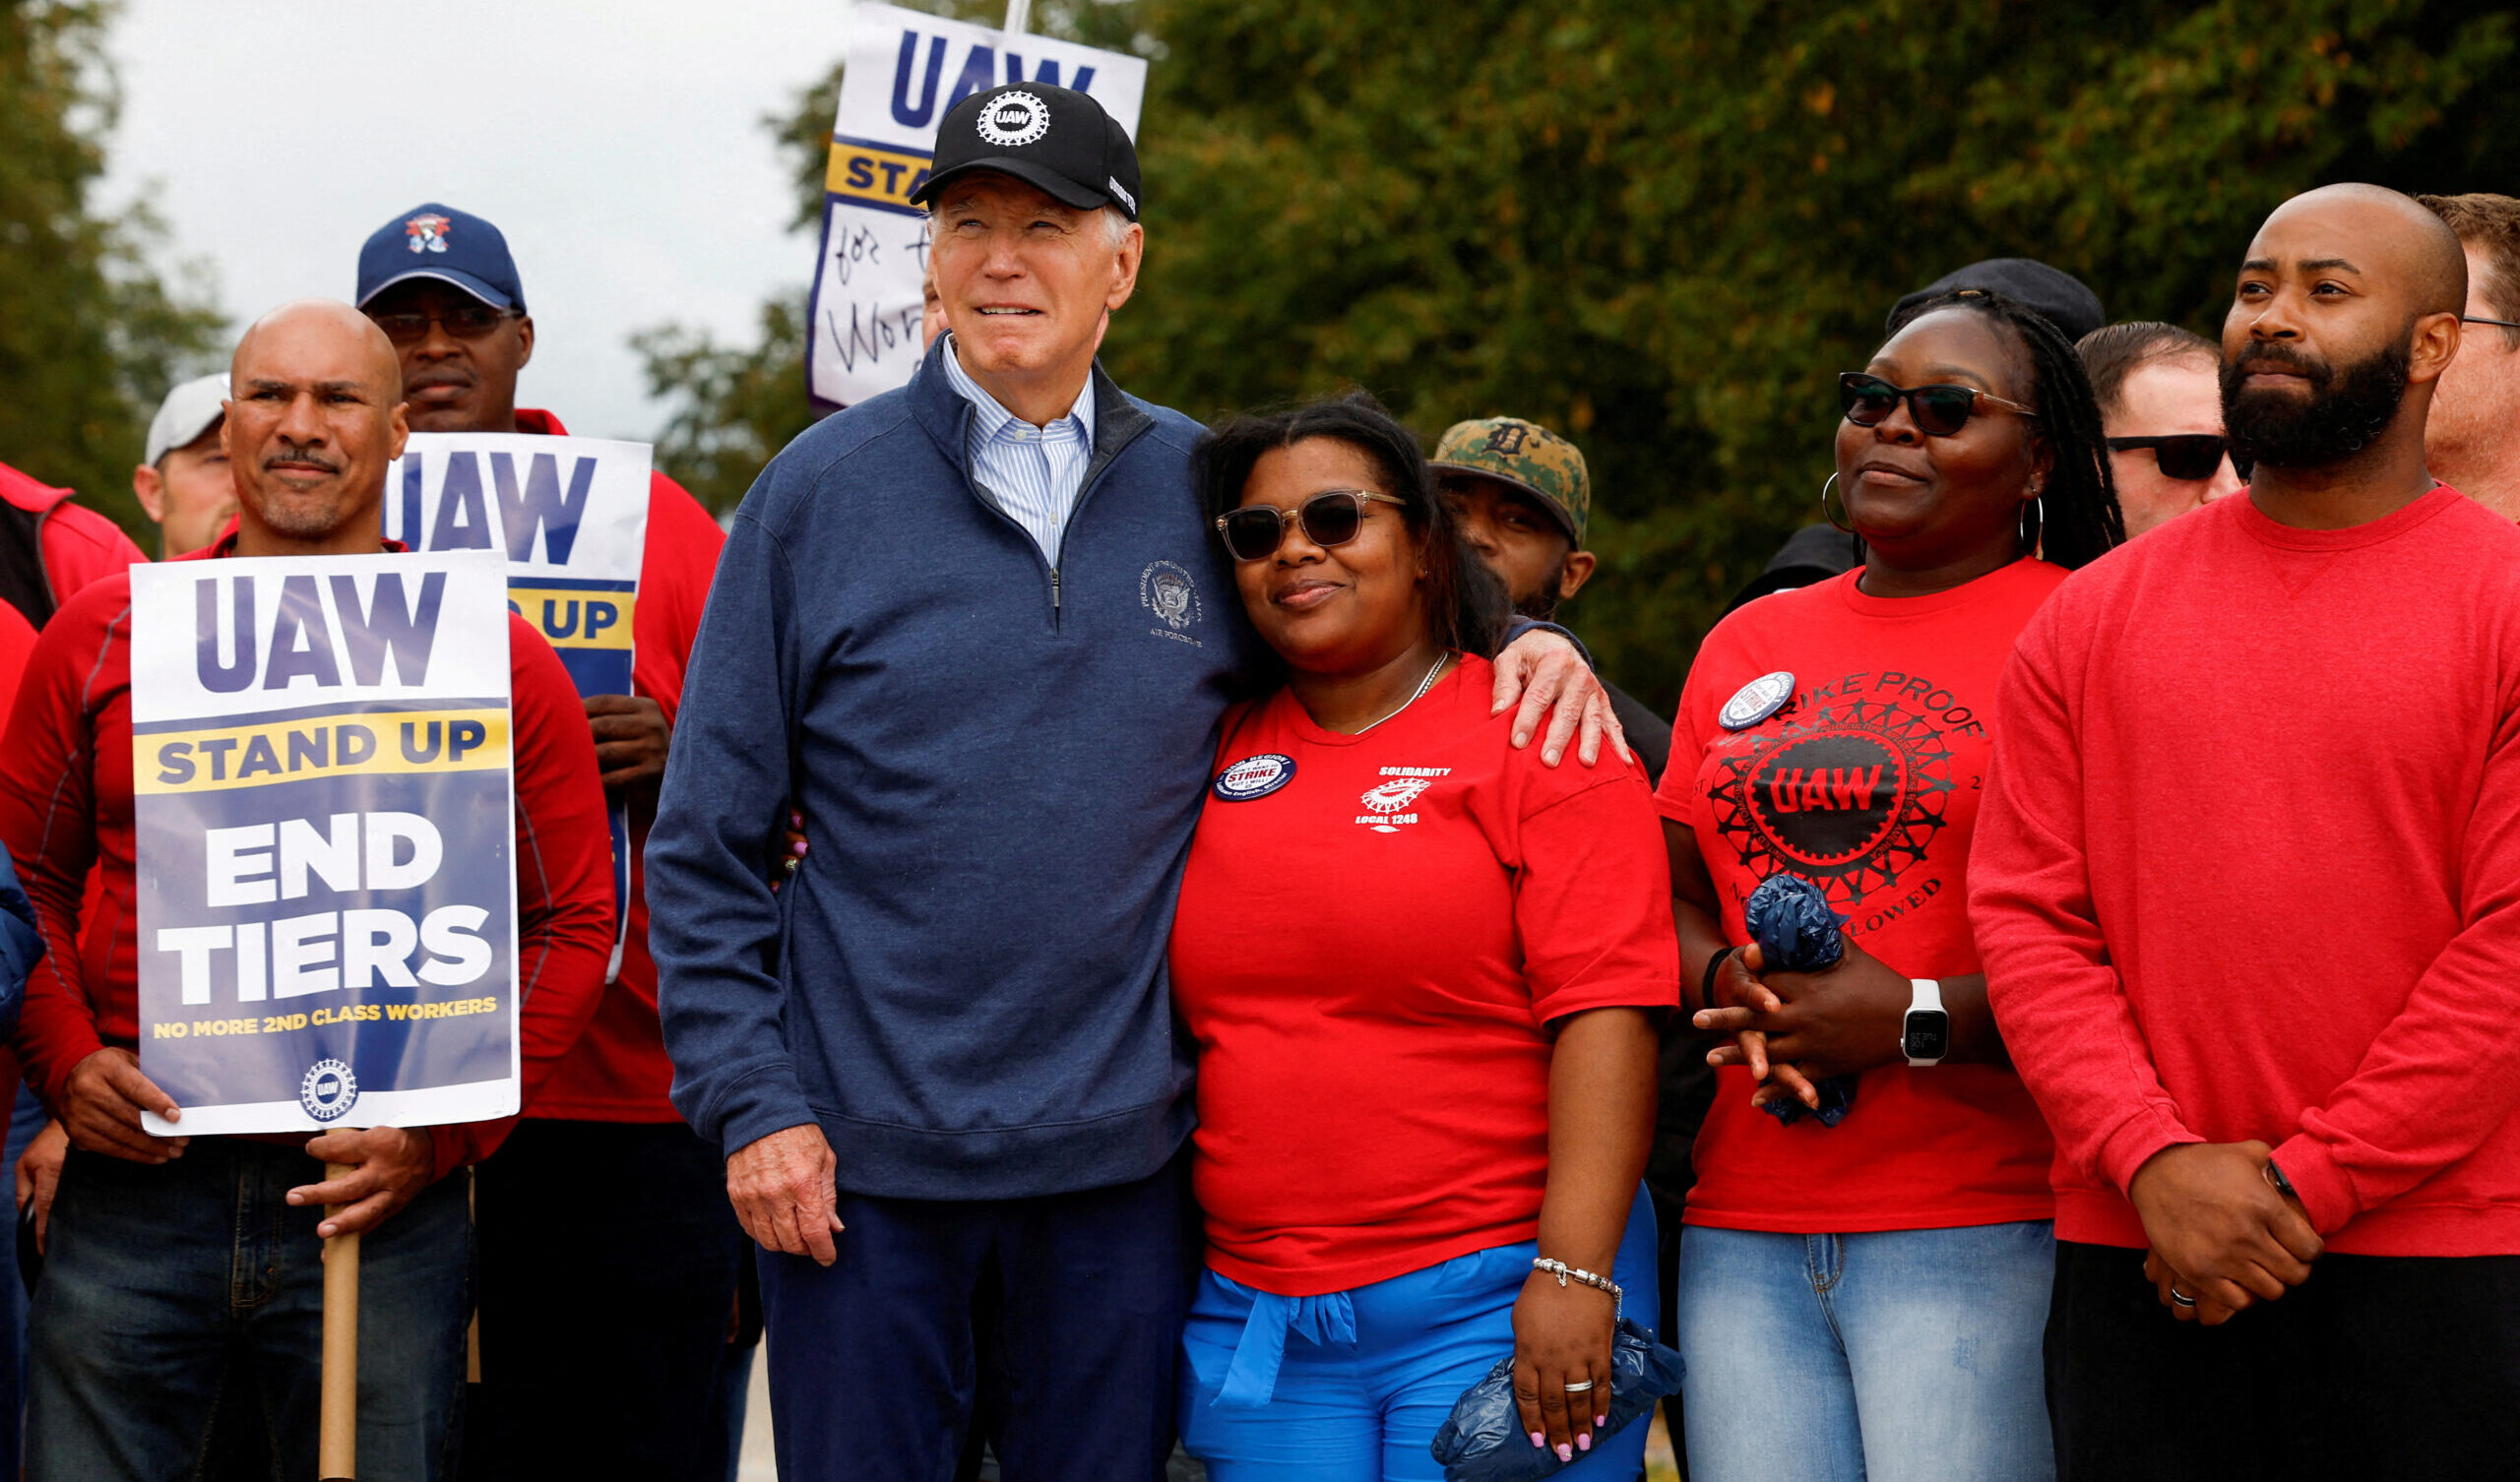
point(75, 544)
point(2250, 867)
point(65, 803)
point(618, 1072)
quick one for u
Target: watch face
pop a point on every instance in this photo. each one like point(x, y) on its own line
point(1928, 1036)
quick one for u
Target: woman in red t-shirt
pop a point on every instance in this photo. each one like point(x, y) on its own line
point(1866, 1299)
point(1422, 969)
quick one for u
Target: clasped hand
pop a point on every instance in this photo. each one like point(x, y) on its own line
point(2221, 1234)
point(1795, 1029)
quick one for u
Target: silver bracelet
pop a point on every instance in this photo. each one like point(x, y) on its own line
point(1564, 1272)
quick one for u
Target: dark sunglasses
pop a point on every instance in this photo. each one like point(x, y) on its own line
point(463, 322)
point(1938, 410)
point(1255, 532)
point(2189, 457)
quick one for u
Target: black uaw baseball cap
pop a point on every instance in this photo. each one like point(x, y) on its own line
point(1054, 138)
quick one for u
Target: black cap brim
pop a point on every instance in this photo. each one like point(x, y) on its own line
point(1051, 182)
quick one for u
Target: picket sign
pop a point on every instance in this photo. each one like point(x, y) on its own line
point(570, 515)
point(905, 70)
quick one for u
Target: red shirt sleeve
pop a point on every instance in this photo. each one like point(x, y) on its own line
point(1593, 898)
point(81, 546)
point(674, 572)
point(47, 818)
point(563, 879)
point(2056, 996)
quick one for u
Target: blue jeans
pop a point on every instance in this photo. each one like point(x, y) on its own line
point(165, 1286)
point(1366, 1376)
point(1895, 1356)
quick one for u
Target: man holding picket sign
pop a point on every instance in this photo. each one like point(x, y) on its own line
point(625, 1335)
point(182, 1265)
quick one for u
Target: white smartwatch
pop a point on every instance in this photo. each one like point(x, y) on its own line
point(1925, 1036)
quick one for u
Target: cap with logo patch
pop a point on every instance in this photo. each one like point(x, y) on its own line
point(1054, 138)
point(440, 242)
point(1527, 456)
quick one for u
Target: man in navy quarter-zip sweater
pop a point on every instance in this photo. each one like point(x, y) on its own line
point(980, 632)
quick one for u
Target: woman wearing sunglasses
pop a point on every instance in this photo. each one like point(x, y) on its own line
point(1422, 972)
point(1865, 1299)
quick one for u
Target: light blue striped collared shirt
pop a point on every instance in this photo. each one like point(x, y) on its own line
point(1034, 473)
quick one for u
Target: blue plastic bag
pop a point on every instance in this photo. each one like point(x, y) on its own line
point(1790, 918)
point(1484, 1439)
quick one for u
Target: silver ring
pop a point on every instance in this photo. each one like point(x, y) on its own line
point(1577, 1389)
point(2181, 1298)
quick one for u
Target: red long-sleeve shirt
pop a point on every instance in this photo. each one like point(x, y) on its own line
point(618, 1071)
point(66, 802)
point(2249, 868)
point(74, 544)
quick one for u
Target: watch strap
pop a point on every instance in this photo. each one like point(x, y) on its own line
point(1926, 996)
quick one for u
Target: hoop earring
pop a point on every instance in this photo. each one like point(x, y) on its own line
point(2034, 534)
point(1834, 522)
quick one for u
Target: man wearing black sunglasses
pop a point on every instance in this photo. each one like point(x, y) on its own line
point(2163, 412)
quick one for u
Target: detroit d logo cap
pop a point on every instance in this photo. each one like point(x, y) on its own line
point(1054, 138)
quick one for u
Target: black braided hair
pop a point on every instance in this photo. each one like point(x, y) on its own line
point(2083, 520)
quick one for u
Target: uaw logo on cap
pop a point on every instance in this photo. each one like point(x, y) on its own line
point(1254, 778)
point(1166, 591)
point(427, 232)
point(1756, 701)
point(328, 1090)
point(1013, 119)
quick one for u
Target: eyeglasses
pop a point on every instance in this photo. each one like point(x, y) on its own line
point(2481, 318)
point(1255, 532)
point(462, 321)
point(1938, 410)
point(2189, 455)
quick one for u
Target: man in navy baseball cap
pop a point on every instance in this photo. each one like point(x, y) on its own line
point(441, 285)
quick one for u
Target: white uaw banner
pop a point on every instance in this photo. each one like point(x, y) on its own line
point(570, 516)
point(905, 70)
point(323, 801)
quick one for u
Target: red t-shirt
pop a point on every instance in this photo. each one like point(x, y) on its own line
point(66, 805)
point(1867, 785)
point(618, 1072)
point(1371, 940)
point(2251, 869)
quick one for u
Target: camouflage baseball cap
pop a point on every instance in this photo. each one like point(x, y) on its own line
point(1527, 456)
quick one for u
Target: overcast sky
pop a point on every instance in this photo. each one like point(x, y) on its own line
point(616, 144)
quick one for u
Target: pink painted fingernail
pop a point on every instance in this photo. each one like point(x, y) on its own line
point(1583, 1443)
point(1601, 1422)
point(1566, 1453)
point(1539, 1439)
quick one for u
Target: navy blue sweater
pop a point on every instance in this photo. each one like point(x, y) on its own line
point(999, 764)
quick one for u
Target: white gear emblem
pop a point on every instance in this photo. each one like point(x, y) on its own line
point(328, 1091)
point(1391, 797)
point(1013, 119)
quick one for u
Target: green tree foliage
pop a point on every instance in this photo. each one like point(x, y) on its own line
point(1663, 230)
point(90, 335)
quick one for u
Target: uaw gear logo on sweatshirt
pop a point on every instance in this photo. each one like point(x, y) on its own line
point(1846, 788)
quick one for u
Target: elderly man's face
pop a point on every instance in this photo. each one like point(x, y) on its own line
point(2475, 426)
point(315, 418)
point(1025, 280)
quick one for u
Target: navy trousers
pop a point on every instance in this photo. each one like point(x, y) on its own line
point(874, 1362)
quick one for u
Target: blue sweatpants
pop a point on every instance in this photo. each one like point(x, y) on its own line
point(1071, 1303)
point(1352, 1386)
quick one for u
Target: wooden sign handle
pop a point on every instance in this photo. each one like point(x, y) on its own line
point(337, 1444)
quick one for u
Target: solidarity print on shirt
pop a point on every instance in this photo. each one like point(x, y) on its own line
point(1847, 786)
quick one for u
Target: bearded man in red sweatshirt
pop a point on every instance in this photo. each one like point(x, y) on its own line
point(2247, 887)
point(181, 1267)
